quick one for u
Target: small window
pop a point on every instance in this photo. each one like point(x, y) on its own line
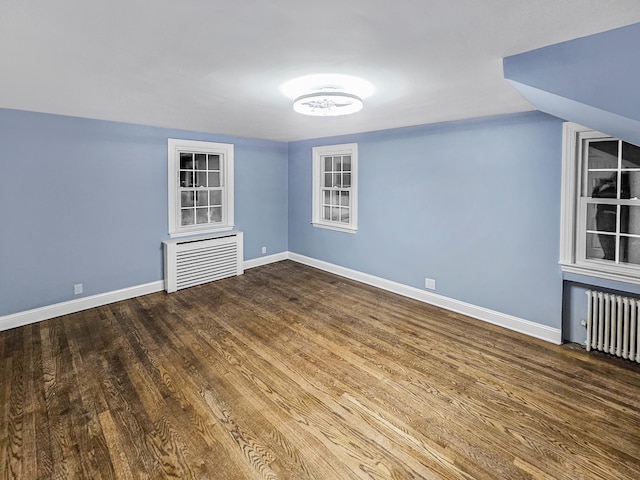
point(200, 187)
point(601, 205)
point(335, 178)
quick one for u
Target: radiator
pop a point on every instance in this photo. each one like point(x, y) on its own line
point(612, 325)
point(193, 261)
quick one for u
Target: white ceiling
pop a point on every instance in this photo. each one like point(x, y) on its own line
point(216, 66)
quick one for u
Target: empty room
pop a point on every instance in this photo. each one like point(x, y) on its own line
point(337, 240)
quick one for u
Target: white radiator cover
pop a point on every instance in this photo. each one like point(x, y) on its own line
point(195, 260)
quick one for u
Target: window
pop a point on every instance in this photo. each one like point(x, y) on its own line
point(335, 170)
point(600, 205)
point(200, 187)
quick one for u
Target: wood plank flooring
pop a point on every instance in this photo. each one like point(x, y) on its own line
point(288, 372)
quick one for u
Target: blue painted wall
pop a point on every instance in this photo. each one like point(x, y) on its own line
point(474, 204)
point(85, 201)
point(591, 80)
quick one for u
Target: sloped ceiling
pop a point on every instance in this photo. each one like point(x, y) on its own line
point(216, 66)
point(593, 81)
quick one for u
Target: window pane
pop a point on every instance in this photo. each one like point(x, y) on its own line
point(346, 163)
point(337, 179)
point(215, 197)
point(625, 179)
point(327, 163)
point(186, 161)
point(630, 156)
point(335, 214)
point(201, 161)
point(326, 213)
point(630, 187)
point(630, 219)
point(214, 162)
point(201, 179)
point(186, 199)
point(186, 179)
point(344, 199)
point(346, 180)
point(344, 215)
point(602, 185)
point(335, 198)
point(327, 197)
point(202, 198)
point(603, 154)
point(630, 250)
point(601, 217)
point(337, 164)
point(215, 214)
point(186, 216)
point(327, 180)
point(601, 246)
point(202, 215)
point(214, 179)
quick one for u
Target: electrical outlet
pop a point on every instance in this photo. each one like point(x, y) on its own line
point(77, 289)
point(430, 283)
point(264, 250)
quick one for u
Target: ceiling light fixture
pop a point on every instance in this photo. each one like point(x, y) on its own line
point(327, 103)
point(327, 95)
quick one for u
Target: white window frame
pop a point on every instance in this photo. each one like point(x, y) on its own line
point(317, 220)
point(226, 152)
point(572, 217)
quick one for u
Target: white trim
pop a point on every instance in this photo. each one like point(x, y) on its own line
point(570, 133)
point(258, 262)
point(543, 332)
point(72, 306)
point(197, 232)
point(589, 272)
point(26, 317)
point(334, 227)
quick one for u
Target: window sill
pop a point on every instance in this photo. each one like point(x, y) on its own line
point(600, 272)
point(203, 231)
point(335, 227)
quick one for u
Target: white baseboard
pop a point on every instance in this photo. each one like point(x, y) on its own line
point(550, 334)
point(553, 335)
point(72, 306)
point(258, 262)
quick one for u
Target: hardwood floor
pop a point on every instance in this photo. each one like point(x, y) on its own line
point(290, 372)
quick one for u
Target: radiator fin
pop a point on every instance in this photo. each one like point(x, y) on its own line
point(193, 262)
point(612, 325)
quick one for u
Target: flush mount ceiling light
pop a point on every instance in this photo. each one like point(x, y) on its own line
point(327, 95)
point(327, 104)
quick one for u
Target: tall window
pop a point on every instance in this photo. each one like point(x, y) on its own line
point(335, 187)
point(601, 205)
point(200, 187)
